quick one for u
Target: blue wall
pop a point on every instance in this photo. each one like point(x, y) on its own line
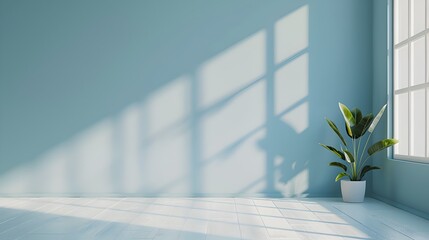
point(177, 98)
point(401, 183)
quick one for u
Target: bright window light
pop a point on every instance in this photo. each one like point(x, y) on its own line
point(411, 84)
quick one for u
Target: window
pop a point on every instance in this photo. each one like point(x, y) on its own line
point(410, 79)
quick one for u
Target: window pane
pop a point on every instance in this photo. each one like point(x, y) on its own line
point(401, 20)
point(418, 20)
point(401, 123)
point(418, 61)
point(427, 15)
point(401, 67)
point(417, 121)
point(427, 122)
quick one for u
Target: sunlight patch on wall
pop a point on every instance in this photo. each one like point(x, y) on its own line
point(296, 186)
point(27, 178)
point(291, 34)
point(167, 144)
point(166, 161)
point(79, 165)
point(146, 146)
point(127, 148)
point(169, 105)
point(297, 118)
point(233, 69)
point(237, 167)
point(230, 139)
point(291, 83)
point(240, 116)
point(297, 177)
point(90, 159)
point(291, 88)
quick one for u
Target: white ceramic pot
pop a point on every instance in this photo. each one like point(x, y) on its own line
point(353, 191)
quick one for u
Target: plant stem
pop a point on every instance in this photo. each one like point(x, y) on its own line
point(358, 148)
point(354, 163)
point(363, 150)
point(361, 166)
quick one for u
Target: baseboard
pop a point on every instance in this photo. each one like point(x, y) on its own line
point(139, 195)
point(172, 195)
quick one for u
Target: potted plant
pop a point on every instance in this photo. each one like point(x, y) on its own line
point(354, 157)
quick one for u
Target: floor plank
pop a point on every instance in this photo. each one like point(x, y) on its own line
point(205, 219)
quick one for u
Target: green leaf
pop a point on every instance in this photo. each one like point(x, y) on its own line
point(341, 175)
point(335, 129)
point(377, 119)
point(366, 169)
point(361, 127)
point(347, 114)
point(349, 156)
point(334, 150)
point(348, 118)
point(357, 114)
point(348, 130)
point(380, 145)
point(340, 165)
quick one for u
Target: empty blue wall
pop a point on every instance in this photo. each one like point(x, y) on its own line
point(402, 183)
point(177, 98)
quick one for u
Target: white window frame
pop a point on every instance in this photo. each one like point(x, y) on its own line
point(409, 89)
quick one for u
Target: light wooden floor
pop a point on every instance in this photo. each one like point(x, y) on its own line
point(204, 218)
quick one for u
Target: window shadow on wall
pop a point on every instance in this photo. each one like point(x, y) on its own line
point(155, 99)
